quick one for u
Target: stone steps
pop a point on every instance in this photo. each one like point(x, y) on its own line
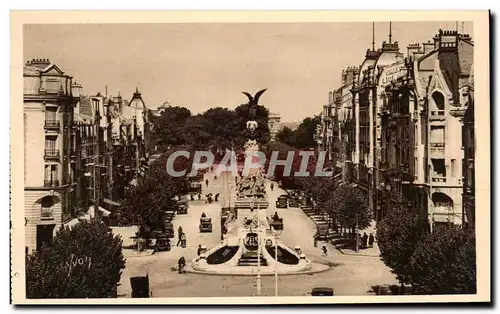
point(251, 259)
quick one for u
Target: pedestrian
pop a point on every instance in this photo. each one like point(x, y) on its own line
point(206, 182)
point(325, 251)
point(371, 239)
point(315, 238)
point(180, 232)
point(276, 217)
point(365, 240)
point(216, 197)
point(192, 197)
point(198, 252)
point(181, 264)
point(272, 186)
point(203, 215)
point(183, 240)
point(215, 178)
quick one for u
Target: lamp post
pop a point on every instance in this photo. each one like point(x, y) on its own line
point(252, 204)
point(258, 251)
point(276, 234)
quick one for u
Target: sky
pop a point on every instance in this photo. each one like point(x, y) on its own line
point(206, 65)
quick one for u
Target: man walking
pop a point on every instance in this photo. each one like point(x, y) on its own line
point(365, 240)
point(371, 239)
point(180, 233)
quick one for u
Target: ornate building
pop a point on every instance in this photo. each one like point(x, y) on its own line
point(48, 172)
point(398, 133)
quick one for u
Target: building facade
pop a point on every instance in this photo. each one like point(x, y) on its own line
point(48, 142)
point(398, 129)
point(274, 124)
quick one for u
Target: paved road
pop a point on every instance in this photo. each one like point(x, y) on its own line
point(350, 275)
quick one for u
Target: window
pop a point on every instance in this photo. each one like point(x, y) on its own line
point(51, 173)
point(438, 100)
point(437, 134)
point(50, 143)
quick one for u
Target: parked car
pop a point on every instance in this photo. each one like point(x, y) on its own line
point(294, 201)
point(322, 232)
point(322, 292)
point(162, 242)
point(205, 224)
point(282, 201)
point(183, 208)
point(277, 224)
point(168, 227)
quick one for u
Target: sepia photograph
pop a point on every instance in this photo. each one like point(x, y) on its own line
point(285, 160)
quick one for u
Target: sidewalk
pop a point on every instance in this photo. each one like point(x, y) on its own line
point(368, 252)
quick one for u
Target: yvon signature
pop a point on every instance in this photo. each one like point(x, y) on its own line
point(83, 262)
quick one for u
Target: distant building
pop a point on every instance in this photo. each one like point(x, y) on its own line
point(274, 123)
point(48, 150)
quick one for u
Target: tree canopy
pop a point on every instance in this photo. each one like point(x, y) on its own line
point(84, 261)
point(303, 136)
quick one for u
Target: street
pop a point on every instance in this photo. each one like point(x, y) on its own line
point(349, 274)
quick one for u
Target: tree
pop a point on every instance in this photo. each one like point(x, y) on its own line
point(350, 208)
point(303, 136)
point(445, 262)
point(398, 235)
point(169, 128)
point(84, 261)
point(146, 204)
point(285, 135)
point(223, 128)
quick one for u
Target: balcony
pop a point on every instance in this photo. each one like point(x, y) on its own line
point(50, 183)
point(52, 125)
point(437, 150)
point(435, 178)
point(437, 115)
point(52, 154)
point(46, 213)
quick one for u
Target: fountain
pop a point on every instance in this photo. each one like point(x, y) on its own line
point(249, 244)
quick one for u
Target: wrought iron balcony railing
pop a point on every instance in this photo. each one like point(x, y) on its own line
point(50, 183)
point(52, 154)
point(52, 125)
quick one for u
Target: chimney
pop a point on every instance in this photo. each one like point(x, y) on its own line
point(428, 46)
point(412, 48)
point(344, 77)
point(436, 39)
point(448, 40)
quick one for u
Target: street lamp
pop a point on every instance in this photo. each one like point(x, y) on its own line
point(276, 234)
point(252, 203)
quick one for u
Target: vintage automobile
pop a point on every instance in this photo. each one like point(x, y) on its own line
point(322, 233)
point(293, 201)
point(322, 292)
point(168, 228)
point(183, 208)
point(277, 223)
point(162, 242)
point(205, 224)
point(282, 201)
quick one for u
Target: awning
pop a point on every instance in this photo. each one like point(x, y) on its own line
point(102, 210)
point(110, 202)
